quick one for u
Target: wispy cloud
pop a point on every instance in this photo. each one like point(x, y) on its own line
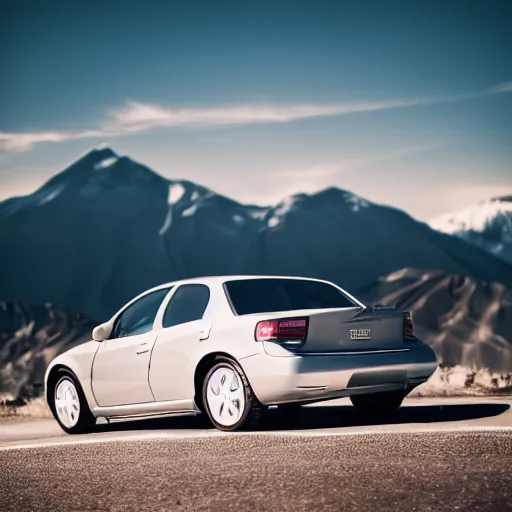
point(135, 117)
point(500, 88)
point(20, 142)
point(142, 117)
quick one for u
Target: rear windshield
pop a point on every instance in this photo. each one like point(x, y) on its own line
point(250, 296)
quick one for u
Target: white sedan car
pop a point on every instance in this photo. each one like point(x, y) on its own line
point(231, 347)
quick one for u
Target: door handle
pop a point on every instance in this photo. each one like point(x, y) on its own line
point(204, 333)
point(143, 348)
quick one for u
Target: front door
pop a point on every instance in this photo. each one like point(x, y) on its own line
point(121, 365)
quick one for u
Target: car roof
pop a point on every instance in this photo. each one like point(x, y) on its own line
point(214, 281)
point(218, 280)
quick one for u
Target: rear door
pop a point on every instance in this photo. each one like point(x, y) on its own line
point(184, 328)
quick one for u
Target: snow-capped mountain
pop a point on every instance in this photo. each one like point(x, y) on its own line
point(107, 227)
point(487, 224)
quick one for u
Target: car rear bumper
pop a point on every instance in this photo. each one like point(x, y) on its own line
point(310, 378)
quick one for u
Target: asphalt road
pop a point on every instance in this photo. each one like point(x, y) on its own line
point(434, 455)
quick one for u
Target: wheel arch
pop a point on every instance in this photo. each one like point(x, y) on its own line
point(52, 378)
point(202, 368)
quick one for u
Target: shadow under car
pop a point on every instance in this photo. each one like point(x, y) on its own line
point(322, 417)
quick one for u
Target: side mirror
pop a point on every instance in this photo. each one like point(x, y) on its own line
point(102, 332)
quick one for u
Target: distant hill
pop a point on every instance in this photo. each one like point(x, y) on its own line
point(107, 228)
point(467, 323)
point(30, 337)
point(487, 224)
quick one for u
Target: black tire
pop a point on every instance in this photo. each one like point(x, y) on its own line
point(86, 420)
point(253, 412)
point(378, 404)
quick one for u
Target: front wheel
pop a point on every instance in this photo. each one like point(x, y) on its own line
point(228, 398)
point(69, 406)
point(378, 404)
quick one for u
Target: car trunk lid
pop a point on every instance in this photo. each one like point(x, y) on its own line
point(328, 331)
point(354, 329)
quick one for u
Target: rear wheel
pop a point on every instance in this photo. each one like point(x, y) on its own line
point(378, 404)
point(228, 398)
point(69, 406)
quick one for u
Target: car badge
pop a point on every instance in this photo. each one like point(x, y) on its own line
point(360, 334)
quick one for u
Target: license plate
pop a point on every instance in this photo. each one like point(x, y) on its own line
point(360, 334)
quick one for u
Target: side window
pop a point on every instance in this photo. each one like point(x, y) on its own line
point(140, 316)
point(187, 304)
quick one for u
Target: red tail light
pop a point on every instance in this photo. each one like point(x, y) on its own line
point(289, 331)
point(408, 327)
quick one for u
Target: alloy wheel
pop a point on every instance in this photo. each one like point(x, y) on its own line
point(67, 403)
point(225, 395)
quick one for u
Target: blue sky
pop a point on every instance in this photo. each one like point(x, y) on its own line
point(404, 103)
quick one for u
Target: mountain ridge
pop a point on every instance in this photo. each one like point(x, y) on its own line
point(106, 228)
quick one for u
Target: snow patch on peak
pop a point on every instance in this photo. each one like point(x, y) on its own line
point(97, 153)
point(51, 195)
point(259, 214)
point(167, 223)
point(102, 145)
point(176, 192)
point(282, 209)
point(107, 162)
point(473, 218)
point(356, 203)
point(189, 211)
point(238, 218)
point(273, 222)
point(504, 199)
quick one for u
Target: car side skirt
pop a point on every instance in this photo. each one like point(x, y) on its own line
point(146, 409)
